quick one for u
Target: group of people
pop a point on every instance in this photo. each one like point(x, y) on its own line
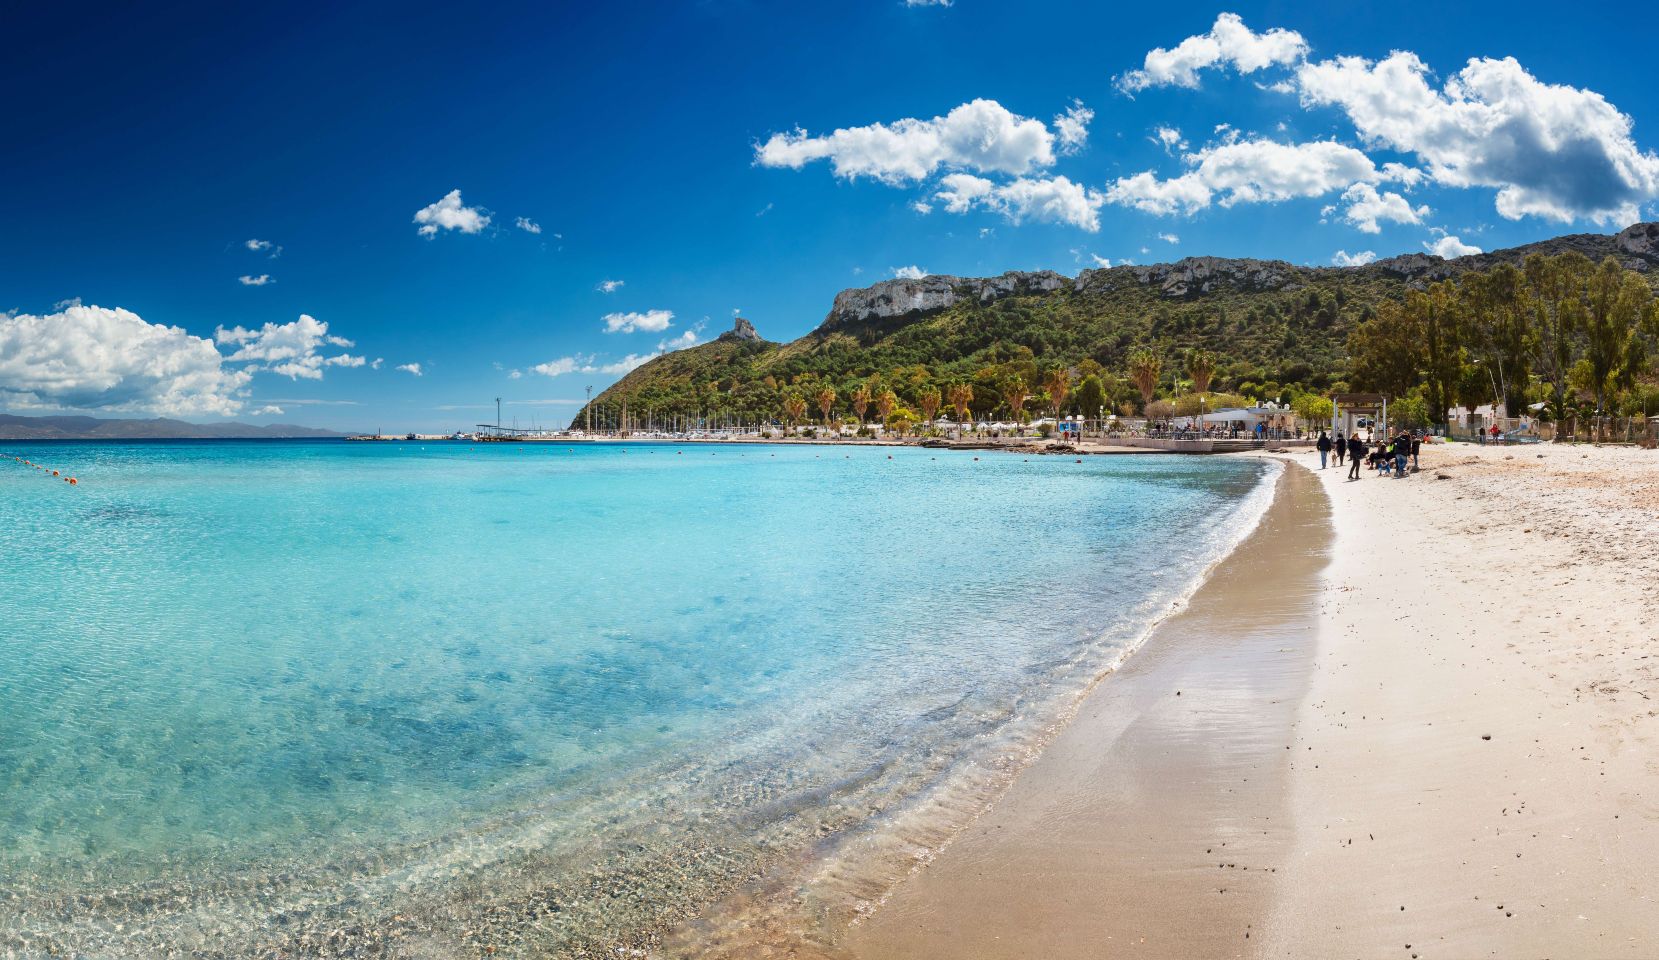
point(1389, 456)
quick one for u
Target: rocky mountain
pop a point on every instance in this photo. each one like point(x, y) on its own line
point(96, 428)
point(1269, 320)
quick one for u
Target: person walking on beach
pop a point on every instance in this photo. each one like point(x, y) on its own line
point(1324, 445)
point(1356, 454)
point(1402, 453)
point(1340, 447)
point(1417, 450)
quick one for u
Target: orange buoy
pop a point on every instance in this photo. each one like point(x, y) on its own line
point(54, 473)
point(72, 481)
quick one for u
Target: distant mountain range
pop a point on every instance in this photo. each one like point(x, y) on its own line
point(96, 428)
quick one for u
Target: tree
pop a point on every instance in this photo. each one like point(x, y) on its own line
point(1091, 397)
point(929, 400)
point(1497, 309)
point(961, 395)
point(1387, 350)
point(885, 402)
point(794, 407)
point(1617, 302)
point(826, 403)
point(861, 402)
point(1201, 368)
point(1058, 384)
point(1014, 394)
point(1555, 287)
point(1312, 408)
point(1144, 370)
point(1435, 313)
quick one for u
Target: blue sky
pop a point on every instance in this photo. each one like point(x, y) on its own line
point(689, 151)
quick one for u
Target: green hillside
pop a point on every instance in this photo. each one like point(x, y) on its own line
point(1272, 328)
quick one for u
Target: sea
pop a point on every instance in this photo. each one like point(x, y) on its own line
point(433, 699)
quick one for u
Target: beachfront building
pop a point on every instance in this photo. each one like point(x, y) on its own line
point(1352, 412)
point(1269, 420)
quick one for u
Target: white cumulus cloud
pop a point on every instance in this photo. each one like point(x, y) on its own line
point(1169, 238)
point(1050, 200)
point(911, 272)
point(450, 214)
point(981, 136)
point(251, 281)
point(413, 368)
point(628, 364)
point(91, 357)
point(264, 246)
point(268, 409)
point(523, 223)
point(610, 286)
point(1550, 150)
point(287, 349)
point(1343, 258)
point(1247, 171)
point(1229, 43)
point(1450, 248)
point(653, 321)
point(1366, 207)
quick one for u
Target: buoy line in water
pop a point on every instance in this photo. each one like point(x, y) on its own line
point(45, 470)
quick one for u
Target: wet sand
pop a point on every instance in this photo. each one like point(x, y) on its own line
point(1155, 825)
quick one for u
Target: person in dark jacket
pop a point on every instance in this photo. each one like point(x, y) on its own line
point(1402, 453)
point(1324, 445)
point(1356, 455)
point(1417, 450)
point(1339, 447)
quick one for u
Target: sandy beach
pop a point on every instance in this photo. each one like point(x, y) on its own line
point(1413, 720)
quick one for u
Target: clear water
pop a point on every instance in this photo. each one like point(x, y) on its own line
point(321, 695)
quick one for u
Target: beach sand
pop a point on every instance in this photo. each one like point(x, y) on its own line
point(1439, 744)
point(1152, 824)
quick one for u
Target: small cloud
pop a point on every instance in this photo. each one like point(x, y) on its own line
point(526, 224)
point(1450, 248)
point(610, 286)
point(763, 211)
point(911, 272)
point(1072, 127)
point(1343, 258)
point(264, 246)
point(928, 3)
point(270, 409)
point(985, 232)
point(259, 281)
point(628, 364)
point(514, 374)
point(651, 321)
point(413, 368)
point(921, 206)
point(1170, 139)
point(335, 341)
point(450, 214)
point(1100, 261)
point(1169, 238)
point(564, 365)
point(377, 362)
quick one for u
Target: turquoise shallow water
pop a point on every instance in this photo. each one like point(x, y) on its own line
point(256, 695)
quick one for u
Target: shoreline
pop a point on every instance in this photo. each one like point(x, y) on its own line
point(1458, 748)
point(807, 911)
point(1114, 824)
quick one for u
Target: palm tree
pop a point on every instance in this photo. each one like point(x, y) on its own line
point(1144, 370)
point(1058, 384)
point(1201, 368)
point(826, 403)
point(929, 400)
point(961, 394)
point(1014, 393)
point(794, 407)
point(885, 402)
point(861, 402)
